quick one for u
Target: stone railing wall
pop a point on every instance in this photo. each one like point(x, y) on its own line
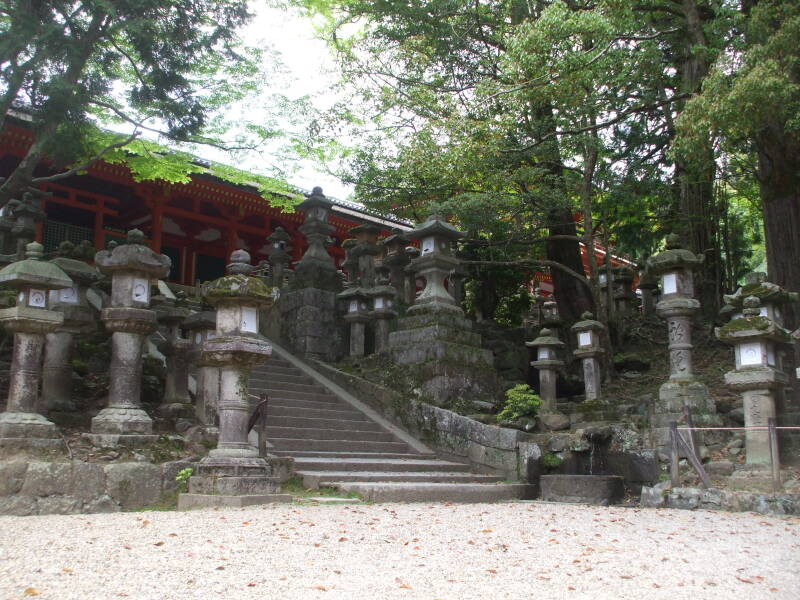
point(508, 452)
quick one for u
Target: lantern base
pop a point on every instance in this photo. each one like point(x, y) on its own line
point(27, 431)
point(122, 421)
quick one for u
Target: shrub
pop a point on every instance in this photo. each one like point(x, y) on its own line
point(521, 401)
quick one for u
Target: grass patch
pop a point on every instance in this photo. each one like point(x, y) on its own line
point(168, 502)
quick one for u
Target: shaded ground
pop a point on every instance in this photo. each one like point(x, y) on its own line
point(519, 550)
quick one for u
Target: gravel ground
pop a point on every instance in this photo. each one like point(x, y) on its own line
point(445, 551)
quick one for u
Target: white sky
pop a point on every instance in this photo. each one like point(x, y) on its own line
point(311, 71)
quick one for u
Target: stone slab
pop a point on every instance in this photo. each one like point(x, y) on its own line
point(190, 501)
point(599, 490)
point(120, 440)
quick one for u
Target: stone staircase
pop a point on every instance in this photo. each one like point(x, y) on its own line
point(337, 443)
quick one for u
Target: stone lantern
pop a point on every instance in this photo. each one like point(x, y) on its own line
point(547, 363)
point(356, 304)
point(436, 261)
point(132, 266)
point(771, 297)
point(589, 337)
point(622, 290)
point(649, 288)
point(758, 373)
point(27, 213)
point(316, 269)
point(550, 314)
point(675, 266)
point(396, 259)
point(200, 328)
point(79, 317)
point(278, 254)
point(235, 467)
point(176, 402)
point(350, 262)
point(384, 299)
point(365, 251)
point(20, 425)
point(412, 252)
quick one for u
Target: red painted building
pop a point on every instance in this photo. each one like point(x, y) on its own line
point(198, 224)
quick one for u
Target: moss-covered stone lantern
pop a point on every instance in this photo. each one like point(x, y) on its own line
point(132, 267)
point(772, 297)
point(550, 315)
point(365, 251)
point(200, 328)
point(79, 317)
point(316, 269)
point(396, 259)
point(384, 300)
point(589, 334)
point(547, 347)
point(235, 467)
point(675, 267)
point(412, 252)
point(357, 307)
point(21, 426)
point(758, 373)
point(435, 263)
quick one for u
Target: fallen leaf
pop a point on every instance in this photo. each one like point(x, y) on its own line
point(342, 539)
point(251, 585)
point(220, 568)
point(158, 544)
point(486, 531)
point(321, 588)
point(744, 579)
point(30, 592)
point(405, 586)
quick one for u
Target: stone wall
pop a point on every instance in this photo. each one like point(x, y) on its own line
point(36, 487)
point(510, 453)
point(662, 496)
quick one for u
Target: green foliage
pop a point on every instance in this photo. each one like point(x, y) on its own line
point(182, 478)
point(168, 70)
point(521, 401)
point(551, 461)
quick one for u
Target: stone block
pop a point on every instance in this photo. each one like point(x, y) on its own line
point(494, 458)
point(101, 504)
point(134, 485)
point(233, 486)
point(655, 497)
point(59, 505)
point(529, 467)
point(635, 468)
point(88, 481)
point(599, 490)
point(719, 468)
point(190, 501)
point(47, 478)
point(554, 422)
point(18, 505)
point(12, 476)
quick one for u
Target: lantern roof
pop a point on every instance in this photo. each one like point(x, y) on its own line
point(206, 319)
point(237, 285)
point(435, 225)
point(587, 323)
point(133, 255)
point(674, 257)
point(546, 338)
point(33, 271)
point(315, 199)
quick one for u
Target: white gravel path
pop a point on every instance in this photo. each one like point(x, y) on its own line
point(453, 552)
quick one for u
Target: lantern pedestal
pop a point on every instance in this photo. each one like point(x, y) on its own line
point(176, 402)
point(234, 467)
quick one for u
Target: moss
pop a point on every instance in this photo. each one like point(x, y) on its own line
point(238, 286)
point(744, 324)
point(551, 461)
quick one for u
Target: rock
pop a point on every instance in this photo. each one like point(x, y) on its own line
point(558, 443)
point(18, 505)
point(735, 451)
point(720, 468)
point(134, 485)
point(47, 479)
point(59, 505)
point(88, 480)
point(140, 458)
point(655, 497)
point(103, 504)
point(554, 422)
point(483, 407)
point(12, 476)
point(631, 375)
point(182, 425)
point(736, 443)
point(792, 484)
point(737, 415)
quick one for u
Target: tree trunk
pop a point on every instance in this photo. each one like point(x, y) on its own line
point(573, 296)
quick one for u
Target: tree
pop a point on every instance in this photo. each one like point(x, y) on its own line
point(158, 67)
point(751, 103)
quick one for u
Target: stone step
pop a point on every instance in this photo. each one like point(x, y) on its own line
point(343, 444)
point(271, 384)
point(377, 464)
point(315, 480)
point(331, 404)
point(289, 394)
point(315, 413)
point(345, 455)
point(329, 434)
point(280, 377)
point(439, 492)
point(270, 369)
point(293, 420)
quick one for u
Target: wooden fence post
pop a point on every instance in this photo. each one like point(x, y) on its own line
point(774, 457)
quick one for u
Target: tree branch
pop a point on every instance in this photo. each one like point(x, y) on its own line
point(88, 163)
